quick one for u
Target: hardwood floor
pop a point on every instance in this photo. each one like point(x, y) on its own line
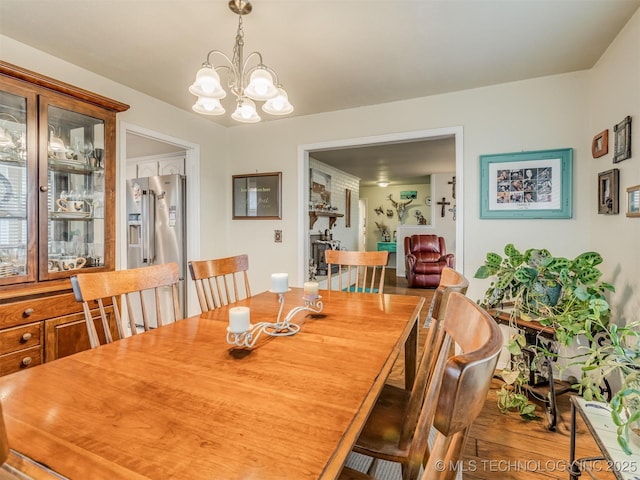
point(502, 446)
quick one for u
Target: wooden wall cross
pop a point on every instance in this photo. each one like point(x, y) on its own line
point(453, 186)
point(443, 203)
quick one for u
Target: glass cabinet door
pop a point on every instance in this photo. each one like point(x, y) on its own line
point(73, 231)
point(17, 239)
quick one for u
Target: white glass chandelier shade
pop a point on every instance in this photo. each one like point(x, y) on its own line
point(208, 106)
point(261, 86)
point(246, 112)
point(207, 84)
point(278, 105)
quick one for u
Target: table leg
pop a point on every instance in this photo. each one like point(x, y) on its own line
point(410, 357)
point(574, 470)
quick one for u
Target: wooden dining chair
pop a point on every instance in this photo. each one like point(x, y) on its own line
point(454, 396)
point(141, 289)
point(409, 403)
point(363, 272)
point(214, 277)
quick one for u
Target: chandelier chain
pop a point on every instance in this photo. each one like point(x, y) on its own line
point(235, 81)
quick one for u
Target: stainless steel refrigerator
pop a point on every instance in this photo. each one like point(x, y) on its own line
point(156, 226)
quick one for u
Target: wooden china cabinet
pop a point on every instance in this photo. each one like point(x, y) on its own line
point(57, 214)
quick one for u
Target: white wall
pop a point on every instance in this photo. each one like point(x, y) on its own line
point(615, 93)
point(377, 197)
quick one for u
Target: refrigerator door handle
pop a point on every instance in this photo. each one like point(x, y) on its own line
point(151, 225)
point(144, 198)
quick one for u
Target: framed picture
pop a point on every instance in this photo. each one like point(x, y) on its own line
point(320, 186)
point(347, 208)
point(526, 184)
point(622, 145)
point(608, 192)
point(257, 196)
point(600, 144)
point(408, 195)
point(633, 201)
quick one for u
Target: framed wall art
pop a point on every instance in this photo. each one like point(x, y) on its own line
point(533, 184)
point(633, 201)
point(608, 192)
point(347, 208)
point(320, 186)
point(600, 144)
point(622, 143)
point(257, 196)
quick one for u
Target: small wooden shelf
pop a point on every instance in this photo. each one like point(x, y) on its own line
point(313, 216)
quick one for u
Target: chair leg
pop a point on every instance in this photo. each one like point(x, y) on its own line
point(371, 471)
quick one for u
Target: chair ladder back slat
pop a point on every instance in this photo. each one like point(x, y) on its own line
point(177, 315)
point(361, 280)
point(226, 289)
point(235, 287)
point(117, 312)
point(247, 288)
point(210, 301)
point(105, 322)
point(202, 295)
point(144, 309)
point(159, 319)
point(91, 328)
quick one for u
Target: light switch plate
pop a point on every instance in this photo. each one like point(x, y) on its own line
point(277, 236)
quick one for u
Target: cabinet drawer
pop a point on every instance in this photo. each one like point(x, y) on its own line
point(13, 362)
point(27, 311)
point(19, 338)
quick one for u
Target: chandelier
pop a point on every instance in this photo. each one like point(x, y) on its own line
point(246, 83)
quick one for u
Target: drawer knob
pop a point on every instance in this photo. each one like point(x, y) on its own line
point(26, 337)
point(44, 188)
point(26, 361)
point(28, 312)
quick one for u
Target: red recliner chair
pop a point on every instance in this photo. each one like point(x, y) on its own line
point(425, 257)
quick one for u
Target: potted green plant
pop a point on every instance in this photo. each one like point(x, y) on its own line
point(555, 291)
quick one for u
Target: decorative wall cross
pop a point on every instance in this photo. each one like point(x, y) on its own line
point(443, 203)
point(453, 186)
point(453, 210)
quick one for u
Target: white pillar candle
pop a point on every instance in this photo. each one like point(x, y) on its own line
point(279, 282)
point(239, 319)
point(311, 288)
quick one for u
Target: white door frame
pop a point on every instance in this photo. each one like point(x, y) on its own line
point(192, 171)
point(303, 182)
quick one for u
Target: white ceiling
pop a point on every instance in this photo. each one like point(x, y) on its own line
point(329, 54)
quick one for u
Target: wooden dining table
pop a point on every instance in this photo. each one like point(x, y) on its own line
point(179, 402)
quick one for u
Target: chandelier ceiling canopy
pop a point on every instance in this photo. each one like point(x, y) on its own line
point(247, 83)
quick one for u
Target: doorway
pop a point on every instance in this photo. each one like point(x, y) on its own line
point(160, 143)
point(304, 152)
